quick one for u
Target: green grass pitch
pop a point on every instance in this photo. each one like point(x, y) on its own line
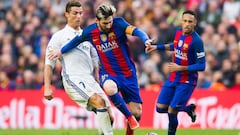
point(117, 132)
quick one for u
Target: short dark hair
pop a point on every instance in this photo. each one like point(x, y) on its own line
point(72, 3)
point(190, 12)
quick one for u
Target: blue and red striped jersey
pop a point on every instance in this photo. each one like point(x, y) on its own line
point(112, 48)
point(188, 51)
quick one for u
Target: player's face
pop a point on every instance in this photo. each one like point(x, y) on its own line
point(188, 23)
point(105, 24)
point(74, 17)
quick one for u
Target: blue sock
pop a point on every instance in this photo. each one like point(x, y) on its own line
point(120, 104)
point(173, 123)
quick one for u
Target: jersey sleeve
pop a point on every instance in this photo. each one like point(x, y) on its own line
point(132, 30)
point(75, 41)
point(123, 24)
point(53, 44)
point(200, 56)
point(94, 56)
point(72, 44)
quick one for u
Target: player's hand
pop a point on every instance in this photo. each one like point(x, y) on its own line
point(54, 54)
point(148, 42)
point(150, 48)
point(173, 67)
point(96, 76)
point(48, 94)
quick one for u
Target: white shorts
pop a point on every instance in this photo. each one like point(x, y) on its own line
point(80, 89)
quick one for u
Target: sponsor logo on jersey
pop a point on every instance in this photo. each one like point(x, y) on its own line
point(107, 46)
point(181, 55)
point(95, 39)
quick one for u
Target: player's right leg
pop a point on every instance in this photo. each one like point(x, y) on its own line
point(164, 99)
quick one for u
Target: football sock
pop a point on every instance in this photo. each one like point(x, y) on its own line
point(104, 121)
point(173, 123)
point(120, 104)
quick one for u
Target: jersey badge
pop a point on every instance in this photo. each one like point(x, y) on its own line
point(111, 35)
point(103, 37)
point(180, 43)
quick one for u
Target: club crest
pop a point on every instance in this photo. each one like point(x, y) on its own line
point(103, 37)
point(180, 43)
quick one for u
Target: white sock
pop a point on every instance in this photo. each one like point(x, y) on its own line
point(104, 121)
point(100, 132)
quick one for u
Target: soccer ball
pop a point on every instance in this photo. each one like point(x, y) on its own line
point(151, 133)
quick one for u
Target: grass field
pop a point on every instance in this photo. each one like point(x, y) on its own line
point(118, 132)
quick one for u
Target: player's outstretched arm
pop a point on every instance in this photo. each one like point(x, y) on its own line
point(72, 44)
point(55, 54)
point(168, 47)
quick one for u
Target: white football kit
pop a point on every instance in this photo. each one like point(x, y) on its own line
point(77, 67)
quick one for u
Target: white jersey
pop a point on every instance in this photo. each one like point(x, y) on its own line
point(77, 67)
point(80, 60)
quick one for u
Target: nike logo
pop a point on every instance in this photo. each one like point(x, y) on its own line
point(95, 39)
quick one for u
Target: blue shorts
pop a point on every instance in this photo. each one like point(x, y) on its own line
point(175, 94)
point(127, 86)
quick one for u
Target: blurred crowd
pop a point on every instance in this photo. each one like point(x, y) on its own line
point(27, 25)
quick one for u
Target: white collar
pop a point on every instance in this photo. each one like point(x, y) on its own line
point(79, 31)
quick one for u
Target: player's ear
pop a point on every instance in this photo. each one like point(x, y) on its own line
point(180, 21)
point(97, 21)
point(195, 22)
point(66, 14)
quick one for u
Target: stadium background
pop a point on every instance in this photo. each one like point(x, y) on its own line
point(27, 25)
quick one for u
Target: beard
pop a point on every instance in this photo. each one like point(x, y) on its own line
point(106, 30)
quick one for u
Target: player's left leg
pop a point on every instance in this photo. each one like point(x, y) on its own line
point(89, 95)
point(189, 109)
point(100, 132)
point(102, 113)
point(173, 121)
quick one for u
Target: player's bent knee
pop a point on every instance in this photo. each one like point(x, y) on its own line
point(101, 103)
point(110, 87)
point(161, 110)
point(97, 101)
point(137, 113)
